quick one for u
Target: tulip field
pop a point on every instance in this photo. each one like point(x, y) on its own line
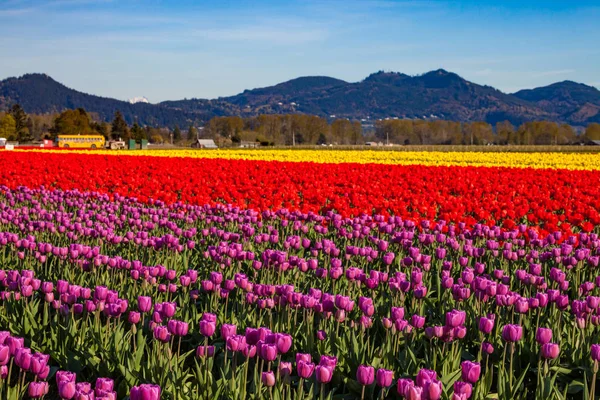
point(299, 275)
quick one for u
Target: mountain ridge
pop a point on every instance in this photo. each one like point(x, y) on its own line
point(437, 94)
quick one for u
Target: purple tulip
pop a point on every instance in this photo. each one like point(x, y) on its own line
point(543, 335)
point(161, 333)
point(595, 352)
point(323, 373)
point(144, 304)
point(455, 318)
point(268, 378)
point(65, 376)
point(512, 333)
point(433, 390)
point(470, 371)
point(23, 358)
point(305, 369)
point(550, 350)
point(37, 390)
point(145, 392)
point(486, 325)
point(303, 357)
point(424, 376)
point(105, 384)
point(38, 363)
point(487, 347)
point(202, 351)
point(207, 328)
point(178, 328)
point(14, 343)
point(285, 368)
point(228, 330)
point(384, 377)
point(463, 388)
point(365, 375)
point(267, 351)
point(66, 389)
point(403, 385)
point(134, 317)
point(4, 354)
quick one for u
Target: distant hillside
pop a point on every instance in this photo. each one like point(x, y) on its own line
point(434, 95)
point(39, 93)
point(569, 101)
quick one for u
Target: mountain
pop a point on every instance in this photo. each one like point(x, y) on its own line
point(568, 100)
point(39, 93)
point(435, 94)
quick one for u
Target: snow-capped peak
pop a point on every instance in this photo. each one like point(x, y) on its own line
point(141, 99)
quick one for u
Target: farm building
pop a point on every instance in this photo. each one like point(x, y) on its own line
point(204, 144)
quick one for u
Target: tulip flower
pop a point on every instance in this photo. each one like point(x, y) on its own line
point(207, 328)
point(285, 368)
point(305, 369)
point(323, 373)
point(512, 333)
point(228, 330)
point(486, 325)
point(595, 352)
point(384, 378)
point(145, 392)
point(202, 351)
point(365, 375)
point(37, 390)
point(470, 371)
point(66, 389)
point(144, 304)
point(550, 351)
point(268, 378)
point(105, 384)
point(543, 335)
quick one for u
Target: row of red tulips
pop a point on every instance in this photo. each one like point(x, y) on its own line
point(552, 199)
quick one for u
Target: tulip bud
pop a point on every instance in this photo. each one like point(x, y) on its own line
point(384, 377)
point(268, 378)
point(550, 350)
point(470, 371)
point(365, 375)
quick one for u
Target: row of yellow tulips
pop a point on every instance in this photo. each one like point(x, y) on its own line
point(573, 161)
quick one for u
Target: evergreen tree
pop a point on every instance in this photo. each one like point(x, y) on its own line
point(192, 133)
point(20, 117)
point(176, 134)
point(322, 139)
point(119, 128)
point(137, 133)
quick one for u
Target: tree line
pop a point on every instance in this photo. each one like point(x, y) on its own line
point(16, 125)
point(307, 129)
point(290, 129)
point(481, 133)
point(294, 129)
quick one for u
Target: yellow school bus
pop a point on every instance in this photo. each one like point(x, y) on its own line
point(80, 141)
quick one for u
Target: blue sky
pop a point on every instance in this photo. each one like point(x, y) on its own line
point(182, 49)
